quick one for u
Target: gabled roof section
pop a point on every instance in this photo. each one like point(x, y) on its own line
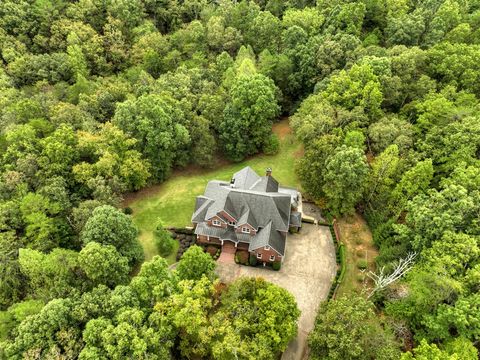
point(252, 200)
point(201, 207)
point(247, 218)
point(268, 236)
point(245, 178)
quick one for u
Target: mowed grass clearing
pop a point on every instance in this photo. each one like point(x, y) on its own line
point(172, 202)
point(361, 254)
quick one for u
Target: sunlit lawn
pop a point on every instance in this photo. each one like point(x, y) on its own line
point(172, 202)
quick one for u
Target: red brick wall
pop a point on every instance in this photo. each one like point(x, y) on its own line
point(242, 246)
point(266, 255)
point(239, 229)
point(222, 223)
point(227, 216)
point(202, 239)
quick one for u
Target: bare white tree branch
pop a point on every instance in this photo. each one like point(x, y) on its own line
point(382, 280)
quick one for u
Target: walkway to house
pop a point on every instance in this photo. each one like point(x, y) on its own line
point(307, 272)
point(228, 253)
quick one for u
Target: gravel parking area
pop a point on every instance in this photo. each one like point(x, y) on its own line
point(307, 272)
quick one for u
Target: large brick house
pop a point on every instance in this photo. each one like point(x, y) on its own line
point(251, 212)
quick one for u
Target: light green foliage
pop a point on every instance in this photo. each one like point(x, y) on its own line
point(347, 329)
point(50, 275)
point(132, 333)
point(103, 264)
point(111, 154)
point(109, 226)
point(357, 87)
point(426, 351)
point(188, 310)
point(196, 263)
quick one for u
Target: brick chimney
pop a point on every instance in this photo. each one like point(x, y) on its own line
point(268, 172)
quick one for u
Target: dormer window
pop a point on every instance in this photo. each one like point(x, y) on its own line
point(231, 223)
point(215, 222)
point(246, 230)
point(267, 247)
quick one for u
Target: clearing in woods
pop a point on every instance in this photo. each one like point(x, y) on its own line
point(360, 254)
point(172, 201)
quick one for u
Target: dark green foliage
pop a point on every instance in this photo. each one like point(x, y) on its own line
point(100, 97)
point(243, 257)
point(276, 265)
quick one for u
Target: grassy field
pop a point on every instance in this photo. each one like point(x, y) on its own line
point(361, 253)
point(172, 202)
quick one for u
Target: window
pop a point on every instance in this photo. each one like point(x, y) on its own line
point(267, 247)
point(259, 256)
point(246, 230)
point(232, 223)
point(272, 257)
point(215, 222)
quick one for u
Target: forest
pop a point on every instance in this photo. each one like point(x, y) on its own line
point(103, 97)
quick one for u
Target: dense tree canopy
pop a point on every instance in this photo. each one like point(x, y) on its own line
point(98, 98)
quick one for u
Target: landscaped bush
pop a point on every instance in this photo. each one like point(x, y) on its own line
point(343, 262)
point(362, 264)
point(360, 278)
point(293, 230)
point(128, 211)
point(243, 257)
point(276, 265)
point(212, 250)
point(163, 241)
point(253, 260)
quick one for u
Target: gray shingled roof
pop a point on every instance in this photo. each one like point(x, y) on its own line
point(268, 237)
point(266, 183)
point(252, 199)
point(245, 178)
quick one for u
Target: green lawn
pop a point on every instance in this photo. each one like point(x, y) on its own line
point(172, 202)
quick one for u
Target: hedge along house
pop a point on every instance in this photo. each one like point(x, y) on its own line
point(251, 213)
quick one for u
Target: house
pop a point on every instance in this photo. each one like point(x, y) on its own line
point(250, 212)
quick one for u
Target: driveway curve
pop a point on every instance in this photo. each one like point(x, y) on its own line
point(307, 272)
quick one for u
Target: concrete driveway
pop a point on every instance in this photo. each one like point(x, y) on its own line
point(307, 272)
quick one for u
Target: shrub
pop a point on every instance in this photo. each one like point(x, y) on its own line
point(253, 260)
point(242, 257)
point(163, 241)
point(237, 261)
point(360, 278)
point(212, 250)
point(358, 241)
point(128, 211)
point(362, 264)
point(343, 262)
point(276, 265)
point(271, 145)
point(360, 253)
